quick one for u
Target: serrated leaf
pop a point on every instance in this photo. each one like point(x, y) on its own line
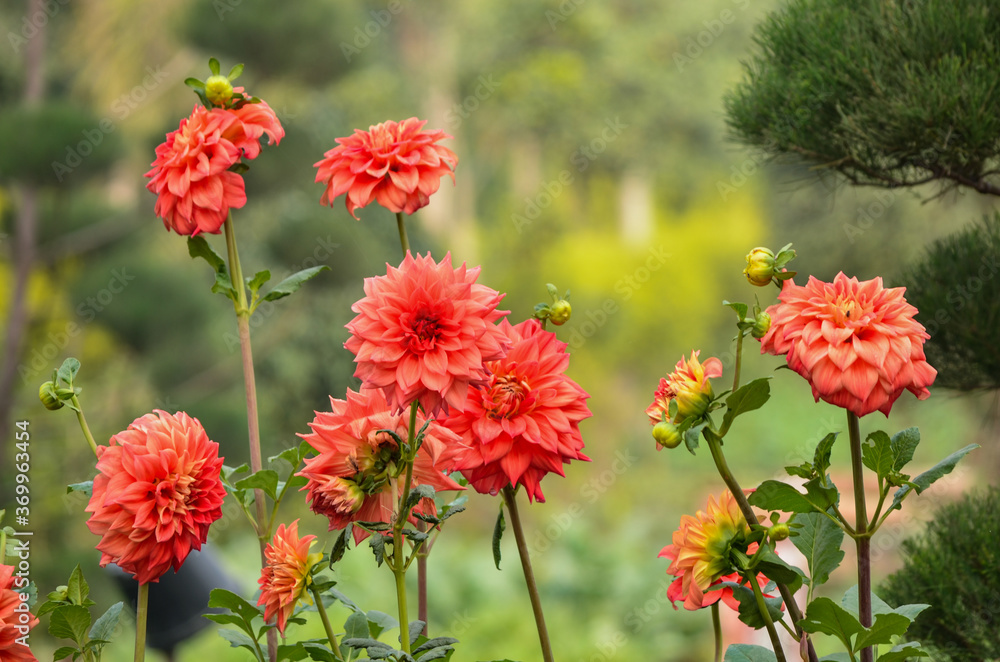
point(850, 603)
point(316, 651)
point(356, 626)
point(819, 540)
point(105, 626)
point(775, 495)
point(929, 477)
point(340, 546)
point(258, 280)
point(903, 652)
point(824, 450)
point(87, 487)
point(416, 627)
point(77, 589)
point(419, 492)
point(740, 308)
point(293, 283)
point(691, 436)
point(265, 479)
point(804, 470)
point(223, 599)
point(826, 616)
point(377, 543)
point(439, 653)
point(498, 529)
point(379, 622)
point(290, 455)
point(903, 444)
point(64, 652)
point(68, 369)
point(882, 631)
point(776, 568)
point(70, 622)
point(876, 453)
point(435, 643)
point(746, 398)
point(748, 653)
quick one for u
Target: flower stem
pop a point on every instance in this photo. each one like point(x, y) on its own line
point(330, 635)
point(422, 582)
point(768, 623)
point(83, 423)
point(510, 498)
point(399, 564)
point(403, 239)
point(862, 539)
point(717, 629)
point(739, 358)
point(141, 609)
point(253, 425)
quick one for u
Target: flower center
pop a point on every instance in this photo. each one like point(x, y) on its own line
point(505, 396)
point(423, 331)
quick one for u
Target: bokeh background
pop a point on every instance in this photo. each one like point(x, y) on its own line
point(593, 154)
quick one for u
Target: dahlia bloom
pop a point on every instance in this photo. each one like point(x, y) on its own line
point(191, 178)
point(856, 343)
point(700, 554)
point(253, 120)
point(285, 578)
point(15, 620)
point(524, 422)
point(423, 332)
point(398, 164)
point(156, 495)
point(351, 480)
point(688, 384)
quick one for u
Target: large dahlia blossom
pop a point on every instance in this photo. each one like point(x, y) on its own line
point(688, 384)
point(16, 621)
point(285, 577)
point(398, 164)
point(423, 332)
point(524, 422)
point(253, 121)
point(856, 343)
point(156, 495)
point(700, 554)
point(351, 479)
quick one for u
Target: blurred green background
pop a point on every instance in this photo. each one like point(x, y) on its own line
point(592, 154)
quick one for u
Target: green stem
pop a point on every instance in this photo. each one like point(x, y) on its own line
point(250, 382)
point(403, 239)
point(739, 358)
point(510, 498)
point(83, 424)
point(862, 540)
point(399, 564)
point(330, 635)
point(768, 623)
point(141, 610)
point(717, 629)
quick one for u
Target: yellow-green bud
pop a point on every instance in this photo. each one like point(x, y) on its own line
point(779, 532)
point(761, 325)
point(666, 435)
point(559, 312)
point(760, 266)
point(49, 397)
point(218, 90)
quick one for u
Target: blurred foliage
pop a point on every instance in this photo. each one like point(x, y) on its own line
point(952, 567)
point(887, 93)
point(956, 289)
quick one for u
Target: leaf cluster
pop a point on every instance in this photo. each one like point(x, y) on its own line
point(69, 609)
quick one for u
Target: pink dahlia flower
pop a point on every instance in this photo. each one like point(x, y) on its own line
point(525, 421)
point(351, 479)
point(398, 164)
point(424, 331)
point(253, 120)
point(856, 343)
point(157, 493)
point(15, 619)
point(285, 578)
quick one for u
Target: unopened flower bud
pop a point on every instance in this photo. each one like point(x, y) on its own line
point(47, 394)
point(218, 90)
point(760, 267)
point(779, 532)
point(666, 435)
point(761, 325)
point(559, 312)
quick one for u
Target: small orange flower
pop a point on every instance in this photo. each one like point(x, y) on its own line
point(688, 384)
point(15, 619)
point(285, 579)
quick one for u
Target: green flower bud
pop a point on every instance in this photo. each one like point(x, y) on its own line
point(779, 532)
point(666, 435)
point(49, 397)
point(559, 312)
point(761, 325)
point(760, 266)
point(218, 90)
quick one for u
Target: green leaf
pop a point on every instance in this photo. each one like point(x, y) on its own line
point(740, 308)
point(819, 540)
point(265, 479)
point(439, 653)
point(746, 398)
point(68, 369)
point(223, 599)
point(850, 603)
point(77, 589)
point(238, 639)
point(378, 622)
point(198, 246)
point(826, 616)
point(929, 477)
point(748, 653)
point(416, 627)
point(903, 444)
point(258, 281)
point(356, 626)
point(340, 546)
point(213, 64)
point(64, 652)
point(824, 449)
point(882, 631)
point(876, 453)
point(226, 619)
point(436, 642)
point(235, 72)
point(105, 626)
point(86, 487)
point(775, 495)
point(691, 436)
point(419, 492)
point(498, 530)
point(775, 568)
point(293, 283)
point(377, 543)
point(194, 83)
point(70, 622)
point(903, 652)
point(836, 657)
point(748, 611)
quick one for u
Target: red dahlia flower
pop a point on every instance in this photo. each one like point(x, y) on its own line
point(157, 493)
point(524, 422)
point(15, 619)
point(285, 579)
point(856, 343)
point(397, 164)
point(351, 479)
point(424, 331)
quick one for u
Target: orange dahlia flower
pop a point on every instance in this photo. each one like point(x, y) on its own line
point(700, 554)
point(351, 479)
point(524, 422)
point(285, 578)
point(424, 331)
point(856, 343)
point(156, 495)
point(253, 120)
point(398, 164)
point(15, 619)
point(688, 384)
